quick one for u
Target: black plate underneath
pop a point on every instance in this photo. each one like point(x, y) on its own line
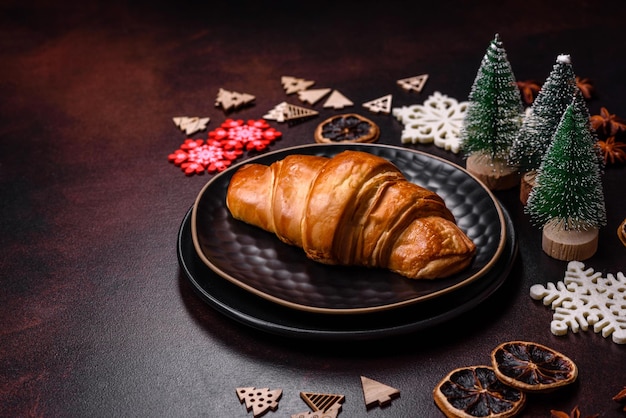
point(259, 313)
point(258, 262)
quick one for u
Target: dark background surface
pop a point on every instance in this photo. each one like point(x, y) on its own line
point(96, 317)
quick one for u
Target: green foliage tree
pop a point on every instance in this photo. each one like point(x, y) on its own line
point(544, 116)
point(494, 114)
point(568, 186)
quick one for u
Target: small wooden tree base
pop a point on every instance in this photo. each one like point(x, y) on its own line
point(526, 185)
point(496, 174)
point(569, 245)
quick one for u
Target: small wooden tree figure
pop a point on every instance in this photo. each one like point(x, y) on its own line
point(567, 199)
point(539, 126)
point(493, 118)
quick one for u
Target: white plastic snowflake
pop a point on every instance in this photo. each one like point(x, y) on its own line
point(438, 120)
point(586, 298)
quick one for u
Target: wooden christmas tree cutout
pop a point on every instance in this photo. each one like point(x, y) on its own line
point(312, 96)
point(259, 400)
point(322, 401)
point(377, 393)
point(322, 405)
point(284, 112)
point(337, 101)
point(191, 125)
point(415, 83)
point(229, 100)
point(380, 105)
point(293, 84)
point(331, 413)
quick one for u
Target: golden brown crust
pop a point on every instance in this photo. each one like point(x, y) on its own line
point(289, 196)
point(352, 209)
point(332, 200)
point(244, 200)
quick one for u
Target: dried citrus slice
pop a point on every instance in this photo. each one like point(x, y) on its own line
point(621, 232)
point(475, 391)
point(532, 367)
point(350, 127)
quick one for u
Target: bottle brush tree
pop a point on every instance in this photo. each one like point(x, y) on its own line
point(541, 122)
point(567, 199)
point(493, 119)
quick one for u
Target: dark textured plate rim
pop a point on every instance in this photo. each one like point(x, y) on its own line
point(257, 313)
point(353, 310)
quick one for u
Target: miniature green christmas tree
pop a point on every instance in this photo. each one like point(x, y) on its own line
point(493, 119)
point(567, 200)
point(544, 116)
point(541, 122)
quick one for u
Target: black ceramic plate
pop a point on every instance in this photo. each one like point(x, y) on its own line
point(261, 314)
point(259, 262)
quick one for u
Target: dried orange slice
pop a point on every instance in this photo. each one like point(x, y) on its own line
point(532, 367)
point(475, 391)
point(350, 127)
point(621, 232)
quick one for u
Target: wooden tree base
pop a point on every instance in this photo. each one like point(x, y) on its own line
point(526, 185)
point(569, 245)
point(495, 174)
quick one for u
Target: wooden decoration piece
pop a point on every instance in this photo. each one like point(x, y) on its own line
point(259, 400)
point(284, 112)
point(331, 413)
point(293, 84)
point(496, 174)
point(415, 83)
point(526, 186)
point(380, 105)
point(191, 125)
point(568, 245)
point(312, 96)
point(377, 393)
point(439, 119)
point(229, 100)
point(322, 401)
point(337, 101)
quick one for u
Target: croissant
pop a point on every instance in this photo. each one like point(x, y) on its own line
point(352, 209)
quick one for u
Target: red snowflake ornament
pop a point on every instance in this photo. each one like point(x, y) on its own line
point(195, 156)
point(238, 135)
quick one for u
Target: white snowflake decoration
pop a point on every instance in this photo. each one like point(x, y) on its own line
point(586, 298)
point(438, 120)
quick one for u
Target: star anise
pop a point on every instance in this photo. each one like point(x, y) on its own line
point(607, 123)
point(621, 397)
point(574, 414)
point(529, 90)
point(585, 86)
point(612, 150)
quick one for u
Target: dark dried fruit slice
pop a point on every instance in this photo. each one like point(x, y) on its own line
point(350, 127)
point(532, 367)
point(621, 232)
point(475, 391)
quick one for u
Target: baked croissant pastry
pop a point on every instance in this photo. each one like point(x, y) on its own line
point(352, 209)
